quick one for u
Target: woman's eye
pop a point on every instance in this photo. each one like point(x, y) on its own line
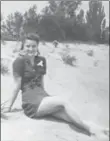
point(33, 46)
point(28, 46)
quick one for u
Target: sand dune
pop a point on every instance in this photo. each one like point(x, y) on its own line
point(86, 86)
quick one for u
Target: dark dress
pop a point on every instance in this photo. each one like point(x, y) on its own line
point(32, 91)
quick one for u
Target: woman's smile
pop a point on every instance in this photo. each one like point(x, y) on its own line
point(30, 47)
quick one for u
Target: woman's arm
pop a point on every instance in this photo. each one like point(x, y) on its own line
point(18, 70)
point(15, 91)
point(42, 82)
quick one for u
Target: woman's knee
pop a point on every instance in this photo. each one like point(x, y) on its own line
point(49, 106)
point(63, 103)
point(66, 104)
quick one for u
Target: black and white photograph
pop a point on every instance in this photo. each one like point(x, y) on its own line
point(55, 70)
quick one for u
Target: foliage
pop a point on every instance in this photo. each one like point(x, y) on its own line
point(58, 21)
point(69, 60)
point(31, 20)
point(13, 25)
point(90, 53)
point(4, 69)
point(2, 114)
point(94, 18)
point(55, 43)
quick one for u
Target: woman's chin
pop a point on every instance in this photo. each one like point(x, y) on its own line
point(30, 54)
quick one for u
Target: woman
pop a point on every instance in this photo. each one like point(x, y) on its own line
point(28, 71)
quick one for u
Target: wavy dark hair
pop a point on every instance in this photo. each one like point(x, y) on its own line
point(30, 36)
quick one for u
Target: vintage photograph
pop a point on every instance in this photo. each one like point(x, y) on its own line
point(55, 70)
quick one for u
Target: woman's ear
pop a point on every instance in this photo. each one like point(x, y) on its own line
point(38, 52)
point(22, 45)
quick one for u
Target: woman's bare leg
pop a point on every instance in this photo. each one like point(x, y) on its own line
point(50, 105)
point(70, 115)
point(60, 109)
point(56, 107)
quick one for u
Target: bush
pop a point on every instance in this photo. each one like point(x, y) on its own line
point(4, 69)
point(15, 50)
point(90, 53)
point(55, 43)
point(43, 43)
point(67, 46)
point(3, 42)
point(69, 60)
point(96, 63)
point(3, 116)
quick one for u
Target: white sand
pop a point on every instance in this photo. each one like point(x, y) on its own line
point(85, 86)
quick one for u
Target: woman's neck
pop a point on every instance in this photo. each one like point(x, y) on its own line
point(32, 59)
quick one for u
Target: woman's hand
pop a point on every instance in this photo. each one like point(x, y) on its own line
point(6, 110)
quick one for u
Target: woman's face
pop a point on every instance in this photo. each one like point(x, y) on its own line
point(31, 47)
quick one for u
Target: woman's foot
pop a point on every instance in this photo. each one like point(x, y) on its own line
point(3, 116)
point(99, 132)
point(106, 132)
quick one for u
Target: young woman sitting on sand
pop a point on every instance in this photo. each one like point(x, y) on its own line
point(28, 71)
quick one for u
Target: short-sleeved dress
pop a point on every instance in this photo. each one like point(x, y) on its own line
point(31, 85)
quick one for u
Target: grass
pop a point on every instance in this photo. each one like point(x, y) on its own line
point(3, 116)
point(4, 69)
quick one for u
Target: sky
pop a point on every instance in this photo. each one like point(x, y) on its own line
point(8, 7)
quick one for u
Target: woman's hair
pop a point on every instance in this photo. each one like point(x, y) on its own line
point(30, 36)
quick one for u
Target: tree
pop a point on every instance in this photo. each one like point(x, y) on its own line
point(69, 7)
point(94, 18)
point(2, 28)
point(8, 25)
point(46, 11)
point(53, 7)
point(49, 28)
point(79, 28)
point(80, 17)
point(103, 25)
point(18, 23)
point(64, 8)
point(12, 26)
point(31, 20)
point(59, 17)
point(1, 19)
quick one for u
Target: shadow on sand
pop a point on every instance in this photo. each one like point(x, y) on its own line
point(71, 125)
point(49, 118)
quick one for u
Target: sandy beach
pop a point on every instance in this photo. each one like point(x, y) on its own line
point(85, 85)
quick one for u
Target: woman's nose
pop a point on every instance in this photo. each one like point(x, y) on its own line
point(30, 49)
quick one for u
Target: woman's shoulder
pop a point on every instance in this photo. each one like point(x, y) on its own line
point(20, 56)
point(19, 60)
point(18, 66)
point(42, 57)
